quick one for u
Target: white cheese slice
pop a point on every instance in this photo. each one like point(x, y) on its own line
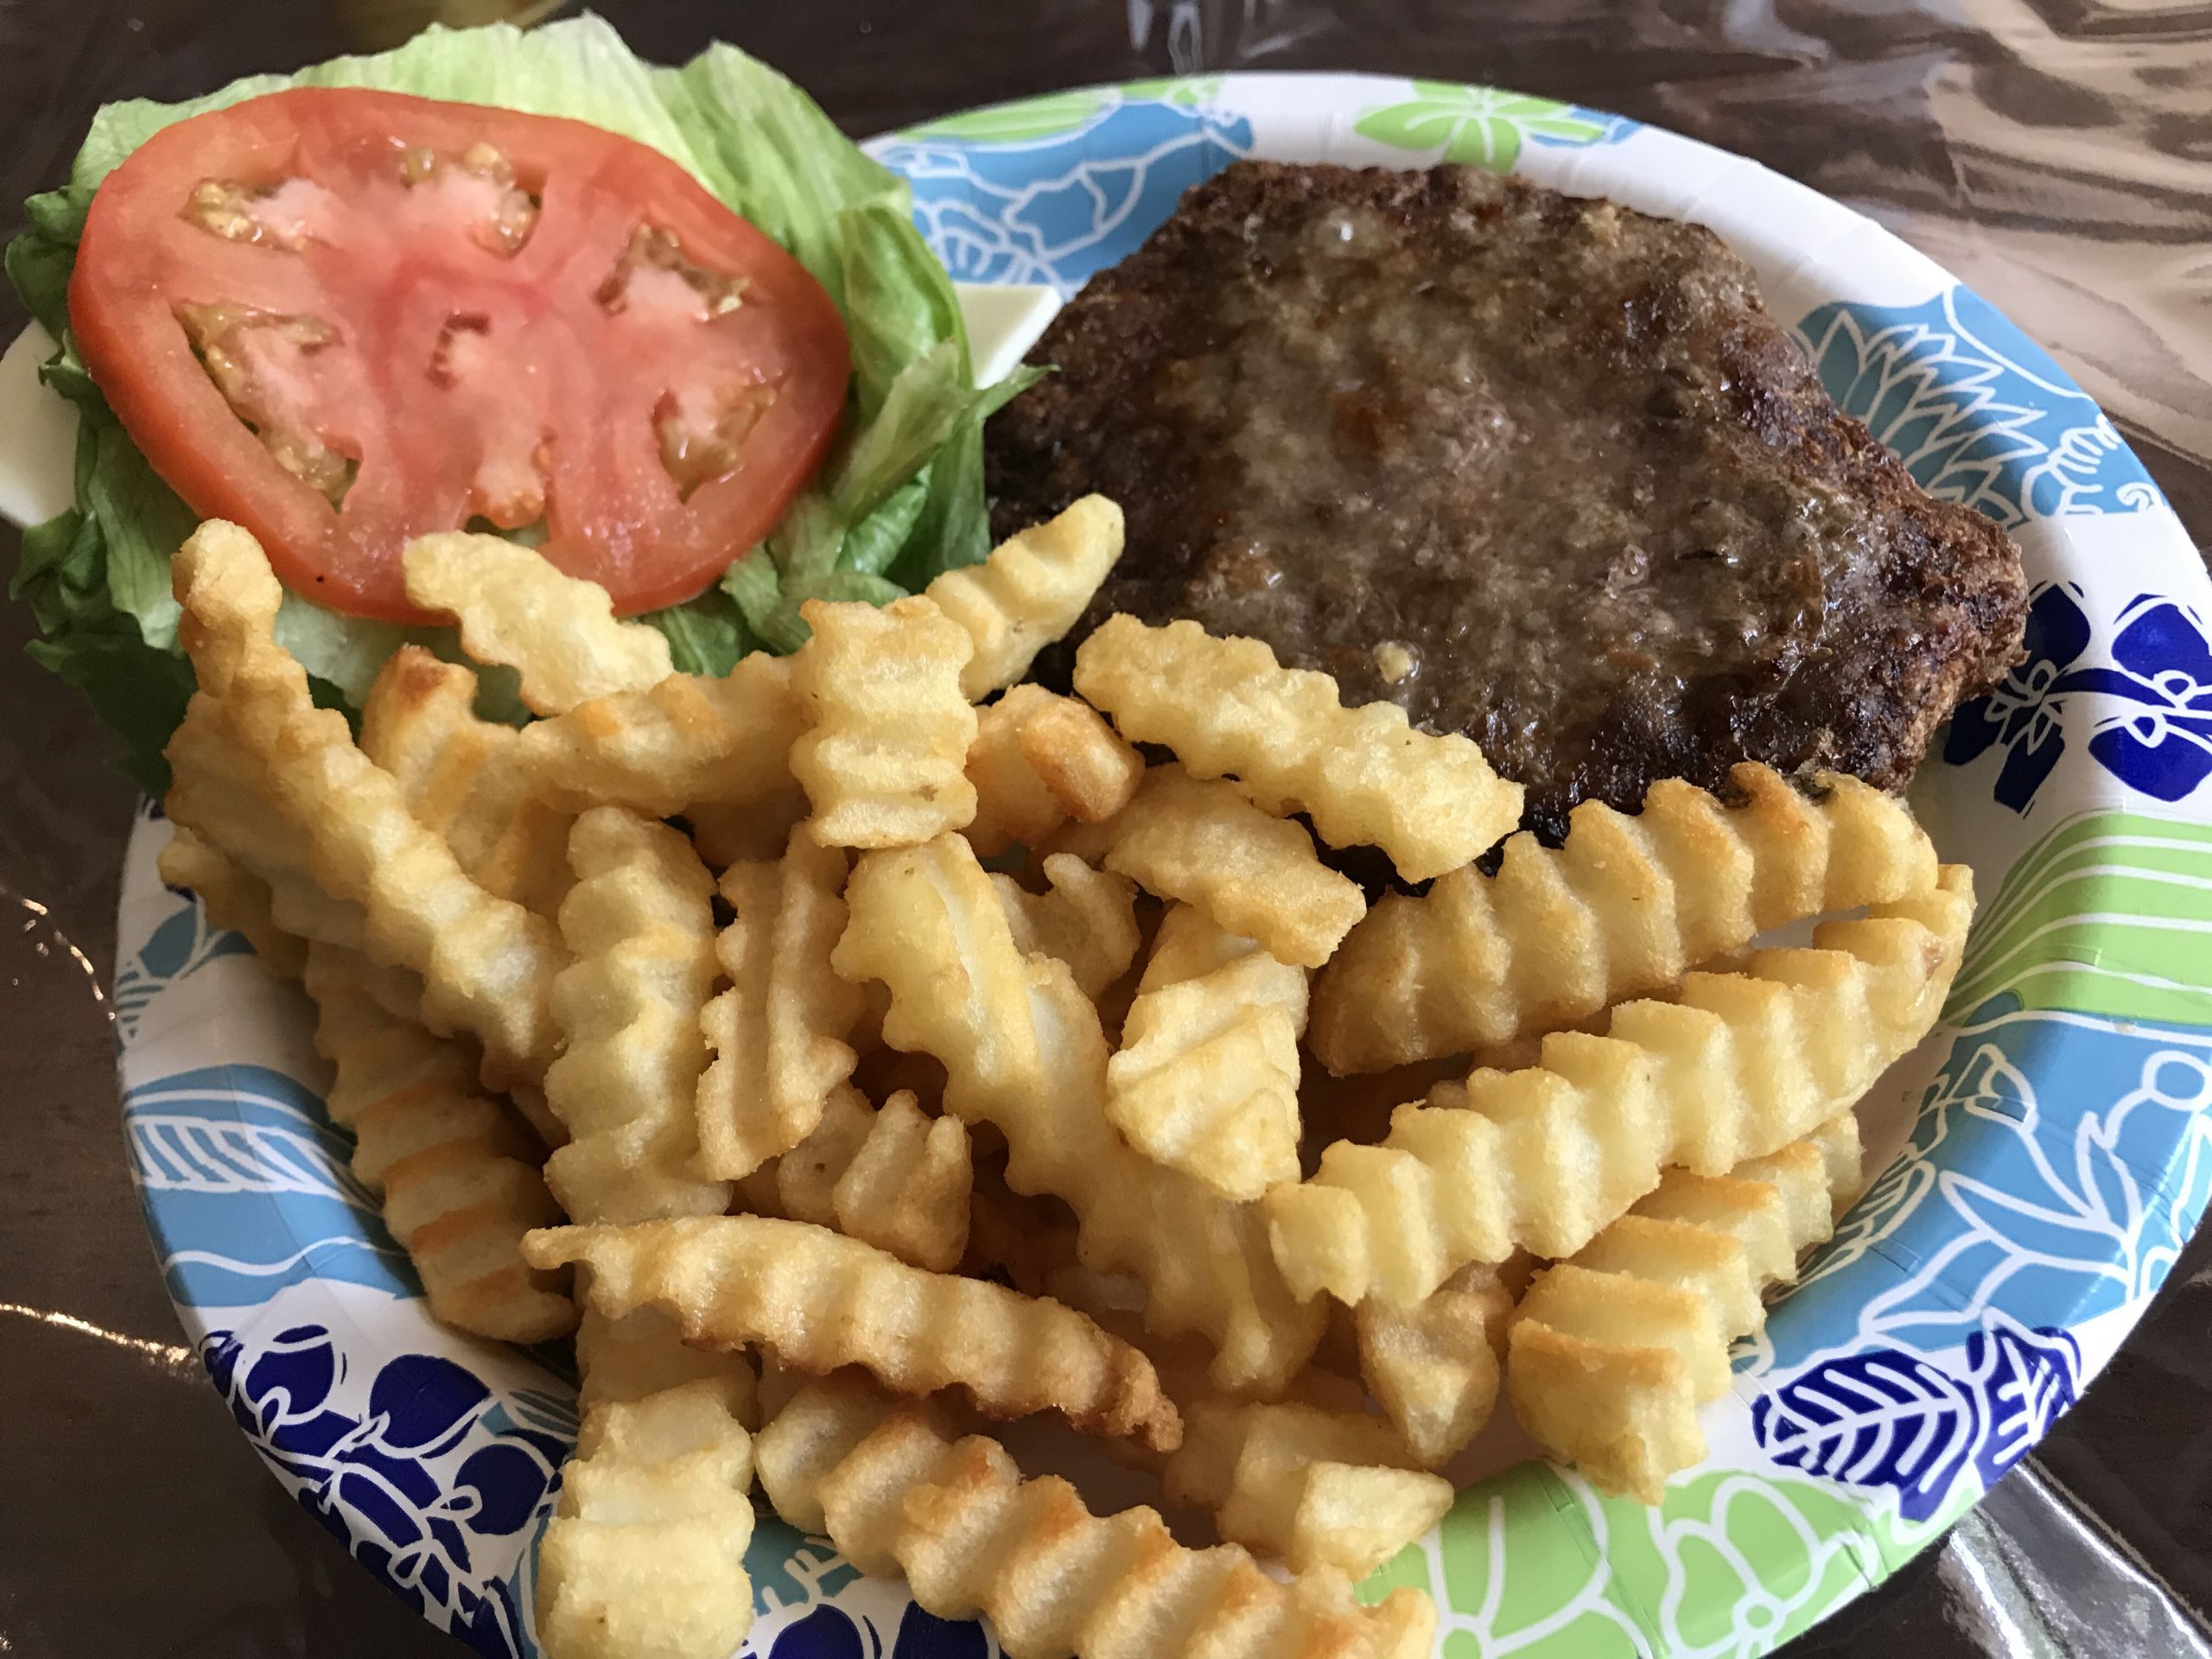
point(38, 429)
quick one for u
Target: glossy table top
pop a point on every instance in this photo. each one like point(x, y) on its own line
point(2055, 154)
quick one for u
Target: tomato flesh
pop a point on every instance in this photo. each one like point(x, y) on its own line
point(347, 318)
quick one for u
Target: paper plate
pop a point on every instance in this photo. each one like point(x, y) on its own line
point(2043, 1156)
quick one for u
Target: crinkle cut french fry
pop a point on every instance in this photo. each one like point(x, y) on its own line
point(1203, 843)
point(1364, 776)
point(645, 1556)
point(894, 1494)
point(487, 964)
point(232, 898)
point(642, 1353)
point(1625, 908)
point(516, 607)
point(458, 1174)
point(1434, 1367)
point(896, 1178)
point(464, 779)
point(779, 1033)
point(640, 920)
point(727, 833)
point(689, 740)
point(1611, 1351)
point(819, 1300)
point(1736, 1066)
point(1086, 917)
point(883, 758)
point(1206, 1080)
point(1029, 592)
point(1022, 1050)
point(1313, 1487)
point(1038, 759)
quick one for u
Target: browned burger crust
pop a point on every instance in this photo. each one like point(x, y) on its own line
point(1552, 453)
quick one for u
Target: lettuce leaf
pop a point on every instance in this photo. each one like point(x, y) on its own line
point(900, 498)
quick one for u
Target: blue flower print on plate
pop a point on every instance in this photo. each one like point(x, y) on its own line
point(405, 1479)
point(1978, 412)
point(832, 1633)
point(2151, 727)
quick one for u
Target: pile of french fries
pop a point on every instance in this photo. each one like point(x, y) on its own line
point(904, 1050)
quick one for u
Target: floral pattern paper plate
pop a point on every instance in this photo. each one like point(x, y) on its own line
point(2043, 1155)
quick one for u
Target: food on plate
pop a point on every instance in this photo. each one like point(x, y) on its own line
point(689, 741)
point(1313, 1487)
point(1023, 1052)
point(896, 1494)
point(464, 779)
point(819, 1300)
point(639, 923)
point(720, 340)
point(458, 1172)
point(1611, 1351)
point(1039, 760)
point(895, 1178)
point(516, 608)
point(1363, 775)
point(1084, 918)
point(345, 317)
point(1254, 875)
point(487, 964)
point(779, 1031)
point(233, 899)
point(1626, 904)
point(1736, 1065)
point(884, 755)
point(1538, 468)
point(1433, 1367)
point(644, 1555)
point(1030, 591)
point(1205, 1080)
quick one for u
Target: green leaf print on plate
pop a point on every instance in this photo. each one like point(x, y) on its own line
point(1481, 125)
point(1535, 1563)
point(2106, 916)
point(1015, 123)
point(1184, 91)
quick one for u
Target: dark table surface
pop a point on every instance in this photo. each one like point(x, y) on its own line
point(2055, 154)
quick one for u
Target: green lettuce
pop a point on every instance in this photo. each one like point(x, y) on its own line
point(900, 500)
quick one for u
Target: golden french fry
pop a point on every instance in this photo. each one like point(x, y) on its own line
point(689, 741)
point(458, 1174)
point(1029, 592)
point(1087, 918)
point(640, 920)
point(487, 964)
point(1023, 1051)
point(884, 753)
point(643, 1353)
point(894, 1494)
point(1314, 1487)
point(232, 898)
point(1625, 908)
point(1039, 760)
point(1203, 843)
point(463, 778)
point(1434, 1366)
point(516, 607)
point(819, 1300)
point(741, 832)
point(1206, 1080)
point(645, 1556)
point(895, 1178)
point(1611, 1351)
point(1738, 1065)
point(1364, 776)
point(779, 1033)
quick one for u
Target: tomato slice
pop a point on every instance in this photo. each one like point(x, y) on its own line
point(345, 318)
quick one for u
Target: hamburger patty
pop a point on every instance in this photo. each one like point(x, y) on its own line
point(1538, 467)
